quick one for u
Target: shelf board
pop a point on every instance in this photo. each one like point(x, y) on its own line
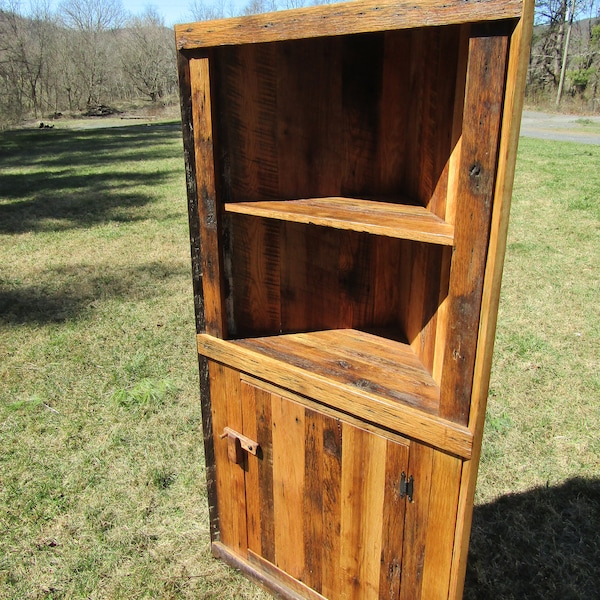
point(373, 378)
point(380, 218)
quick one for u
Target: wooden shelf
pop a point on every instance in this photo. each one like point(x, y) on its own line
point(381, 218)
point(372, 378)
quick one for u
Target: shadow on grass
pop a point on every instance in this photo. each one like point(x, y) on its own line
point(59, 183)
point(543, 544)
point(68, 293)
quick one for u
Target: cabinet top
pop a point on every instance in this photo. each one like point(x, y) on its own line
point(358, 16)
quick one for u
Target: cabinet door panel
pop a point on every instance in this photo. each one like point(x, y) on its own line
point(330, 514)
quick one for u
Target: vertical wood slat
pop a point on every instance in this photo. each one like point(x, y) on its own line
point(312, 511)
point(363, 483)
point(256, 272)
point(288, 485)
point(394, 509)
point(230, 481)
point(417, 523)
point(445, 482)
point(331, 514)
point(476, 180)
point(208, 211)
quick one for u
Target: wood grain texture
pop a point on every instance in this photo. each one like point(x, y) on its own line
point(417, 523)
point(442, 514)
point(363, 482)
point(379, 218)
point(230, 480)
point(341, 19)
point(397, 416)
point(208, 211)
point(394, 510)
point(288, 485)
point(477, 177)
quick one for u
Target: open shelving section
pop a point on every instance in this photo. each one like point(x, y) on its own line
point(349, 171)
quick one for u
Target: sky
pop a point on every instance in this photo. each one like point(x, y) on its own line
point(173, 11)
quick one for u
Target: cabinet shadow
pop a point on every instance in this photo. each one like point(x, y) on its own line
point(544, 543)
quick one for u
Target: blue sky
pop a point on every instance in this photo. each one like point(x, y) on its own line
point(173, 11)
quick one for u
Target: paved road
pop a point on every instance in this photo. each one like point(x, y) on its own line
point(565, 128)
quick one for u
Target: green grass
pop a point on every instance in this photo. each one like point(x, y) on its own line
point(102, 488)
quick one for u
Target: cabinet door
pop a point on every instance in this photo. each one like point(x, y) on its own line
point(320, 500)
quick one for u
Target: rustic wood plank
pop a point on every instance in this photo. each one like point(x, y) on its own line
point(264, 434)
point(391, 414)
point(295, 589)
point(381, 218)
point(363, 483)
point(266, 574)
point(439, 541)
point(313, 499)
point(256, 272)
point(482, 114)
point(332, 503)
point(310, 278)
point(309, 118)
point(368, 362)
point(253, 508)
point(230, 483)
point(288, 484)
point(341, 19)
point(416, 523)
point(247, 122)
point(392, 532)
point(208, 212)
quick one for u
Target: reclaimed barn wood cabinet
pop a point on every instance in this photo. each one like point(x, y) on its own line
point(349, 172)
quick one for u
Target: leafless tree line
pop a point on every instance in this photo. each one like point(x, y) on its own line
point(84, 54)
point(87, 53)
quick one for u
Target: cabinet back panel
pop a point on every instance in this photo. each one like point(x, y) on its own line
point(289, 277)
point(310, 118)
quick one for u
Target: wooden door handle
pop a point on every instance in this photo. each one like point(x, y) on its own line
point(237, 443)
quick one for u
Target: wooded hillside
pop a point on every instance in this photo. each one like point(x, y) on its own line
point(89, 55)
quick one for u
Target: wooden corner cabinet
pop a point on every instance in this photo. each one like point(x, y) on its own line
point(349, 172)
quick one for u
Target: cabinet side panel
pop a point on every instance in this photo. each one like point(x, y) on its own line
point(476, 180)
point(516, 79)
point(231, 496)
point(208, 212)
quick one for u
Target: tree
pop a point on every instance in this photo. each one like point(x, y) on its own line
point(148, 55)
point(93, 25)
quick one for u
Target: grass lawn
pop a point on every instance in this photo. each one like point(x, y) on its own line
point(102, 490)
